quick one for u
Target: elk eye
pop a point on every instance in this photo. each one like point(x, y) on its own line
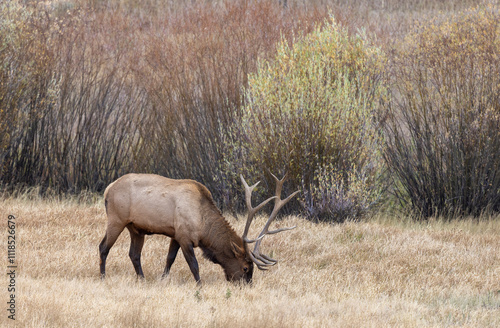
point(245, 269)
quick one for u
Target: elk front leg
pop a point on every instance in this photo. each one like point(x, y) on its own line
point(188, 251)
point(172, 253)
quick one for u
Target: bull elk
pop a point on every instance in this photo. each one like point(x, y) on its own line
point(184, 210)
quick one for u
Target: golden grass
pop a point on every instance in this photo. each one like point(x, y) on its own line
point(381, 273)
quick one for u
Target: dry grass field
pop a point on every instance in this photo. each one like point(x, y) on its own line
point(379, 273)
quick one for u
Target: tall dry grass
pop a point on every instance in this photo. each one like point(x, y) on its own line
point(381, 273)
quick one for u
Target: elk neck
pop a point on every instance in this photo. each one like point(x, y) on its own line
point(218, 236)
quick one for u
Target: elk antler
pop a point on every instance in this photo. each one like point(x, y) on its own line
point(263, 261)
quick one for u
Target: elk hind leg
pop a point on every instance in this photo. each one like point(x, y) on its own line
point(172, 253)
point(112, 233)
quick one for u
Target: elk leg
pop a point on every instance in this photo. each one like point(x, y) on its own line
point(112, 233)
point(136, 243)
point(188, 251)
point(172, 253)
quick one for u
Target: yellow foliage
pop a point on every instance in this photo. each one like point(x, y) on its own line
point(312, 108)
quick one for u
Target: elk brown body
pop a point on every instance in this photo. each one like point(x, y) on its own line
point(183, 210)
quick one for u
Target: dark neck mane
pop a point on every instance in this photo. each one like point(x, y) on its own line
point(218, 236)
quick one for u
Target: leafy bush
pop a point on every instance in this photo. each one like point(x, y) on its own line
point(310, 112)
point(443, 143)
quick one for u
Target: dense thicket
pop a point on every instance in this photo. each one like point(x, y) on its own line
point(443, 128)
point(91, 90)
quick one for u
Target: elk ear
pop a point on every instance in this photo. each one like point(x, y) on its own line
point(237, 250)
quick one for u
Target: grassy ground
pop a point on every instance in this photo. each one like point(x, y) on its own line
point(379, 273)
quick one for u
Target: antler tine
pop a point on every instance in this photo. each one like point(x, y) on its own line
point(260, 264)
point(278, 204)
point(251, 210)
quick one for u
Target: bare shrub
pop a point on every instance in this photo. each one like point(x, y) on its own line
point(93, 89)
point(443, 142)
point(72, 109)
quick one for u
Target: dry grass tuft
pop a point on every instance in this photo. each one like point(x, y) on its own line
point(379, 273)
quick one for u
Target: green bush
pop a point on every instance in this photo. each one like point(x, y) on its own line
point(310, 112)
point(443, 135)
